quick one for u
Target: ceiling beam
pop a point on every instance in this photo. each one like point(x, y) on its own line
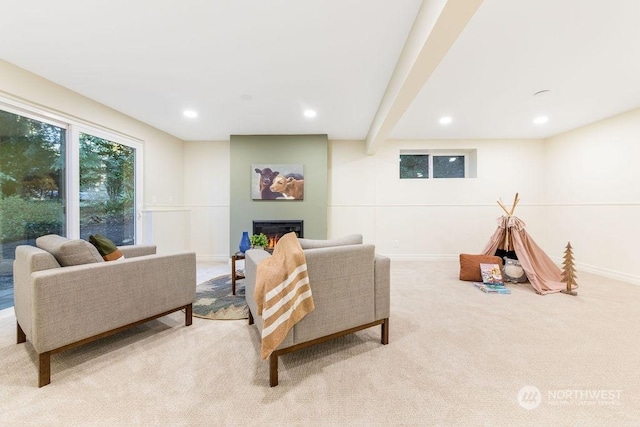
point(435, 29)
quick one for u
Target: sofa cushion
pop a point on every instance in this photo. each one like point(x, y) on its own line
point(470, 266)
point(69, 252)
point(351, 239)
point(106, 247)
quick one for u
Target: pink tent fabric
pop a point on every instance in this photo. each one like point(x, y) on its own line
point(543, 274)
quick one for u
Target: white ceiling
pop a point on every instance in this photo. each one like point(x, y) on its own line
point(253, 66)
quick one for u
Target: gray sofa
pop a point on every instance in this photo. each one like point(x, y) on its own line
point(59, 305)
point(350, 286)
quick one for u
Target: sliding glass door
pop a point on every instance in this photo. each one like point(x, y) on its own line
point(107, 189)
point(64, 177)
point(32, 188)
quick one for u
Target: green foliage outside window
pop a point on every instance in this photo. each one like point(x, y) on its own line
point(107, 189)
point(31, 158)
point(21, 218)
point(31, 178)
point(414, 166)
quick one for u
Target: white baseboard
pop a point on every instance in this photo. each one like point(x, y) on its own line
point(422, 257)
point(605, 272)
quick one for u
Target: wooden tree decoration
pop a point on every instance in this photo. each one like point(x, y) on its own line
point(569, 271)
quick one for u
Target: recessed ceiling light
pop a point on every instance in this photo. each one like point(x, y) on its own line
point(445, 120)
point(310, 114)
point(540, 120)
point(190, 114)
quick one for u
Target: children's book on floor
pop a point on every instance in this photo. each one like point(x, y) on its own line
point(491, 274)
point(492, 288)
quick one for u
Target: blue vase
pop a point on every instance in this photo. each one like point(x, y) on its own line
point(244, 242)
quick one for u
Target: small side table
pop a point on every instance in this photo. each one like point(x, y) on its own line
point(234, 273)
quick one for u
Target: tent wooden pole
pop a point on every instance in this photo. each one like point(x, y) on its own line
point(509, 213)
point(515, 202)
point(506, 237)
point(503, 207)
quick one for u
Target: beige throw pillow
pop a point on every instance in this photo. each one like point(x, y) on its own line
point(69, 252)
point(351, 239)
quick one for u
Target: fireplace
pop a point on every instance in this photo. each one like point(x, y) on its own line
point(274, 229)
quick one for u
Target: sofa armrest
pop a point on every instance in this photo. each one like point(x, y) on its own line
point(132, 251)
point(251, 261)
point(382, 280)
point(72, 303)
point(28, 259)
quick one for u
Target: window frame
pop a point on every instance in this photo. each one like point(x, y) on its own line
point(468, 155)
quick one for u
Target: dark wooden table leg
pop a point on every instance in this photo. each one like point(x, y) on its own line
point(188, 315)
point(233, 275)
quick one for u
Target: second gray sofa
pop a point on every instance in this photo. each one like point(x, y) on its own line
point(350, 286)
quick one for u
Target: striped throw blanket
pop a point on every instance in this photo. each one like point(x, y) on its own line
point(282, 292)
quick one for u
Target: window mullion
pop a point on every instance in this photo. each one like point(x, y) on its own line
point(430, 166)
point(73, 183)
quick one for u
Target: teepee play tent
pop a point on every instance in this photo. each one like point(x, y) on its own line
point(543, 274)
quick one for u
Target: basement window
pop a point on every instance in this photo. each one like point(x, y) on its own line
point(434, 164)
point(414, 166)
point(448, 166)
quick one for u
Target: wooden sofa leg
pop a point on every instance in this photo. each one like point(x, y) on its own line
point(385, 332)
point(20, 335)
point(188, 315)
point(44, 369)
point(273, 370)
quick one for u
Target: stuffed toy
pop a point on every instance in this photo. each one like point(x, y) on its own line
point(512, 271)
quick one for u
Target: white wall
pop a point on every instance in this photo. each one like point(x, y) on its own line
point(163, 153)
point(427, 218)
point(593, 195)
point(416, 219)
point(206, 195)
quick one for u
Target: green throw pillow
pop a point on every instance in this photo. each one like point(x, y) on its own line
point(106, 247)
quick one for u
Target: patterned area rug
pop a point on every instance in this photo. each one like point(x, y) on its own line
point(214, 300)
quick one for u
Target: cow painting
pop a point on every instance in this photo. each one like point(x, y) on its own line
point(289, 185)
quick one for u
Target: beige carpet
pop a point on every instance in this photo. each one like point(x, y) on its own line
point(456, 356)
